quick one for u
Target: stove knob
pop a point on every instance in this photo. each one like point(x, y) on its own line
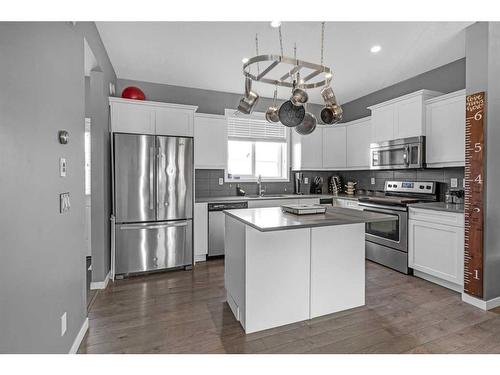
point(421, 186)
point(428, 188)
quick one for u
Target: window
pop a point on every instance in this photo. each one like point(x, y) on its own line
point(256, 147)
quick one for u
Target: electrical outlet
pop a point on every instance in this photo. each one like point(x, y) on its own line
point(454, 182)
point(372, 180)
point(62, 167)
point(64, 323)
point(221, 181)
point(306, 180)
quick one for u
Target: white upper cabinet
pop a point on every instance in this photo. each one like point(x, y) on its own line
point(401, 117)
point(129, 117)
point(334, 146)
point(210, 141)
point(445, 130)
point(146, 117)
point(307, 150)
point(358, 134)
point(382, 119)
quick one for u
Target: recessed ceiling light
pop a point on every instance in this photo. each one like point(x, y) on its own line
point(375, 49)
point(244, 60)
point(275, 24)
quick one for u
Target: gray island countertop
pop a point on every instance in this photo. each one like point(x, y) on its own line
point(274, 219)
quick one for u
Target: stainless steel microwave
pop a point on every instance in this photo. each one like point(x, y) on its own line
point(401, 153)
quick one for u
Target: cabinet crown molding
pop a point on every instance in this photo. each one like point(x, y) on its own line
point(426, 94)
point(150, 103)
point(209, 115)
point(446, 96)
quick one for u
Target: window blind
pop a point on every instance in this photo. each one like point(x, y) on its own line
point(254, 127)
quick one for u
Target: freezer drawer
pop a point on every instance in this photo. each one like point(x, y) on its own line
point(153, 246)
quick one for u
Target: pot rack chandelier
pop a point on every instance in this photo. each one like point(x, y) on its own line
point(293, 112)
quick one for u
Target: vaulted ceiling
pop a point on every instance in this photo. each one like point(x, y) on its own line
point(208, 55)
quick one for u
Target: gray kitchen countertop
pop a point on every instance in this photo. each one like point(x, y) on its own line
point(255, 197)
point(274, 219)
point(234, 198)
point(440, 206)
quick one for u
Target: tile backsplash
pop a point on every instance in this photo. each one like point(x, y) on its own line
point(207, 180)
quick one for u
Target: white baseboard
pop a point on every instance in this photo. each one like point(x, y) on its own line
point(79, 337)
point(200, 258)
point(479, 303)
point(436, 280)
point(101, 284)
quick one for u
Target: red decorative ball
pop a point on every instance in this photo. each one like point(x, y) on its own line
point(132, 92)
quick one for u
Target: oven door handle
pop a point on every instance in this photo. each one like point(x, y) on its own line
point(383, 209)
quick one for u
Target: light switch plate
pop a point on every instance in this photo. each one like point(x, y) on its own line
point(454, 182)
point(306, 180)
point(221, 181)
point(62, 167)
point(372, 180)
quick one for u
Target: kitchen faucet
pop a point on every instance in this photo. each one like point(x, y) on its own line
point(260, 191)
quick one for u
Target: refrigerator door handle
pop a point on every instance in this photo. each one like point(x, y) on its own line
point(161, 168)
point(154, 226)
point(151, 177)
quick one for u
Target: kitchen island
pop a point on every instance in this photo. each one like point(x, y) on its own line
point(282, 268)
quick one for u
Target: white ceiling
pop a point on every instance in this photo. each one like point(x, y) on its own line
point(208, 55)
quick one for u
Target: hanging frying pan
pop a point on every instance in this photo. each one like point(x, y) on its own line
point(291, 115)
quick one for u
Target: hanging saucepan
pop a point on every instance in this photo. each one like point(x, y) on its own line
point(331, 114)
point(307, 125)
point(272, 114)
point(249, 101)
point(299, 97)
point(291, 115)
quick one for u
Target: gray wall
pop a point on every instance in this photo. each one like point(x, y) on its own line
point(483, 74)
point(42, 255)
point(97, 108)
point(208, 101)
point(447, 78)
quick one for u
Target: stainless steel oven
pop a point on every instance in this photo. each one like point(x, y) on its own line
point(387, 242)
point(398, 154)
point(393, 234)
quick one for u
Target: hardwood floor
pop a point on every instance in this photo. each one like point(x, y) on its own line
point(185, 312)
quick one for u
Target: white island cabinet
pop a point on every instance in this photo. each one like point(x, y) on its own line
point(282, 268)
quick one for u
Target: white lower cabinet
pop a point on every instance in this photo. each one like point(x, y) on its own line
point(436, 246)
point(200, 231)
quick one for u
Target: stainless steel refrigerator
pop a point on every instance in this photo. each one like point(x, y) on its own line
point(153, 202)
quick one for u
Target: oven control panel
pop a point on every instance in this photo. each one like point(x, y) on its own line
point(410, 187)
